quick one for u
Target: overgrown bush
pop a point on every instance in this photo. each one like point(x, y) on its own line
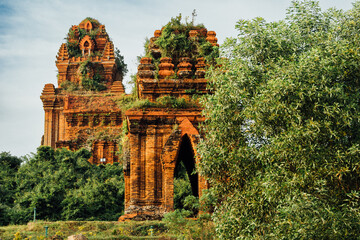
point(94, 83)
point(9, 166)
point(126, 102)
point(63, 185)
point(69, 86)
point(174, 41)
point(184, 228)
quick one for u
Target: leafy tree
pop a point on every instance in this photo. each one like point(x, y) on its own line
point(8, 167)
point(283, 127)
point(120, 63)
point(100, 198)
point(63, 185)
point(182, 186)
point(184, 200)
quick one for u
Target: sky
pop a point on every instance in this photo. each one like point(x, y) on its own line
point(31, 33)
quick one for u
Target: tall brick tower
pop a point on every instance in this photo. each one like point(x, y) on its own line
point(166, 132)
point(81, 111)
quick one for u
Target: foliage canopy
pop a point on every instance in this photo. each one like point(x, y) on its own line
point(62, 185)
point(282, 143)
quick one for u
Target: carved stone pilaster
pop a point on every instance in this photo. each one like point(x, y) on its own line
point(184, 68)
point(200, 68)
point(166, 68)
point(146, 69)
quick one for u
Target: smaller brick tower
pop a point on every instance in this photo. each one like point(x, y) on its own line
point(82, 110)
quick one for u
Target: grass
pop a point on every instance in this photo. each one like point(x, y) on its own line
point(91, 229)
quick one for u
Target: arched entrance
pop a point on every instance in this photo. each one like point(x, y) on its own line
point(185, 176)
point(180, 147)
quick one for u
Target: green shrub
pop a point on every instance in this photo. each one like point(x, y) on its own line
point(184, 228)
point(69, 86)
point(63, 185)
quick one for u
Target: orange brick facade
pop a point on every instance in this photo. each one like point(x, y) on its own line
point(75, 119)
point(160, 138)
point(157, 140)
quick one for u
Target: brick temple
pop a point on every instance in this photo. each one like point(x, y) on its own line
point(157, 138)
point(75, 119)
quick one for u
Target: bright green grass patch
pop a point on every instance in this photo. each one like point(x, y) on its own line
point(91, 229)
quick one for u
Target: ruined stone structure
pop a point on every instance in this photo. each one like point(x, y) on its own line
point(81, 118)
point(158, 138)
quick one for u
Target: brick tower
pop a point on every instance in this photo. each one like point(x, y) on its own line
point(82, 110)
point(159, 137)
point(161, 127)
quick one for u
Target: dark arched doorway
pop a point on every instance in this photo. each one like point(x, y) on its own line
point(185, 176)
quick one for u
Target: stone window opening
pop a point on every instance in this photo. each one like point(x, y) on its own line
point(88, 27)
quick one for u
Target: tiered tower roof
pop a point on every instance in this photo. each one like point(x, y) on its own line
point(88, 54)
point(175, 62)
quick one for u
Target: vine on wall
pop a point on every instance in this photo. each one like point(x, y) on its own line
point(88, 82)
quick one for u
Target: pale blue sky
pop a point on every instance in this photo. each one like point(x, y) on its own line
point(31, 32)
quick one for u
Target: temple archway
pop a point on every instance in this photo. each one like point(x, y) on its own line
point(186, 159)
point(180, 146)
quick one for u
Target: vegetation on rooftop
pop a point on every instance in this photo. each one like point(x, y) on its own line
point(88, 82)
point(126, 102)
point(174, 42)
